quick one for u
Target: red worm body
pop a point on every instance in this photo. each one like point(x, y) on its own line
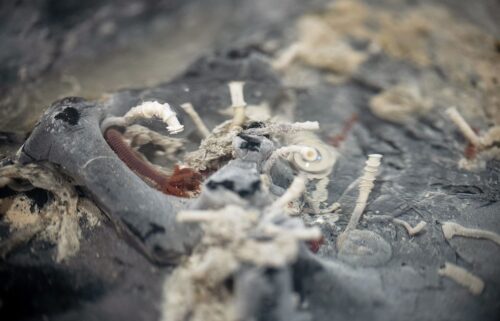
point(181, 182)
point(315, 245)
point(339, 138)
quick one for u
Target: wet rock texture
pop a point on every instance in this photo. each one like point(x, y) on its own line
point(382, 274)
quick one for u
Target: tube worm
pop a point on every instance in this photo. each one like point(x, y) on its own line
point(294, 191)
point(238, 102)
point(463, 277)
point(464, 127)
point(147, 110)
point(451, 229)
point(195, 117)
point(365, 187)
point(180, 183)
point(150, 109)
point(411, 230)
point(284, 128)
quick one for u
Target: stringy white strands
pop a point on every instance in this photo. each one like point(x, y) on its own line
point(237, 102)
point(198, 122)
point(463, 277)
point(464, 127)
point(451, 229)
point(307, 153)
point(365, 187)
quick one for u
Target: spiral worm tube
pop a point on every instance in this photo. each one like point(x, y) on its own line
point(365, 187)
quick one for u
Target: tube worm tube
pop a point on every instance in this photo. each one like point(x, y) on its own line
point(238, 102)
point(365, 187)
point(464, 127)
point(198, 122)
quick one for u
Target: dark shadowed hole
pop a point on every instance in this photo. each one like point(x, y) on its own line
point(29, 291)
point(69, 115)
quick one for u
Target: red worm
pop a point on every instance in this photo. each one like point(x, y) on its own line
point(339, 138)
point(314, 245)
point(181, 182)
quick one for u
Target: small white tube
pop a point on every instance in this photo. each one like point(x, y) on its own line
point(294, 191)
point(237, 102)
point(451, 229)
point(463, 277)
point(284, 128)
point(411, 230)
point(198, 122)
point(463, 126)
point(150, 109)
point(236, 91)
point(365, 187)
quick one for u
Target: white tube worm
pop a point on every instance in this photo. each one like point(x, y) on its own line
point(293, 192)
point(150, 109)
point(365, 187)
point(284, 128)
point(451, 229)
point(237, 102)
point(411, 230)
point(195, 117)
point(463, 126)
point(463, 277)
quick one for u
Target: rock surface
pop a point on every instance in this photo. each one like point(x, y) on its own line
point(420, 180)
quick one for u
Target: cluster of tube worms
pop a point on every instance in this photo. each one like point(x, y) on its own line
point(183, 182)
